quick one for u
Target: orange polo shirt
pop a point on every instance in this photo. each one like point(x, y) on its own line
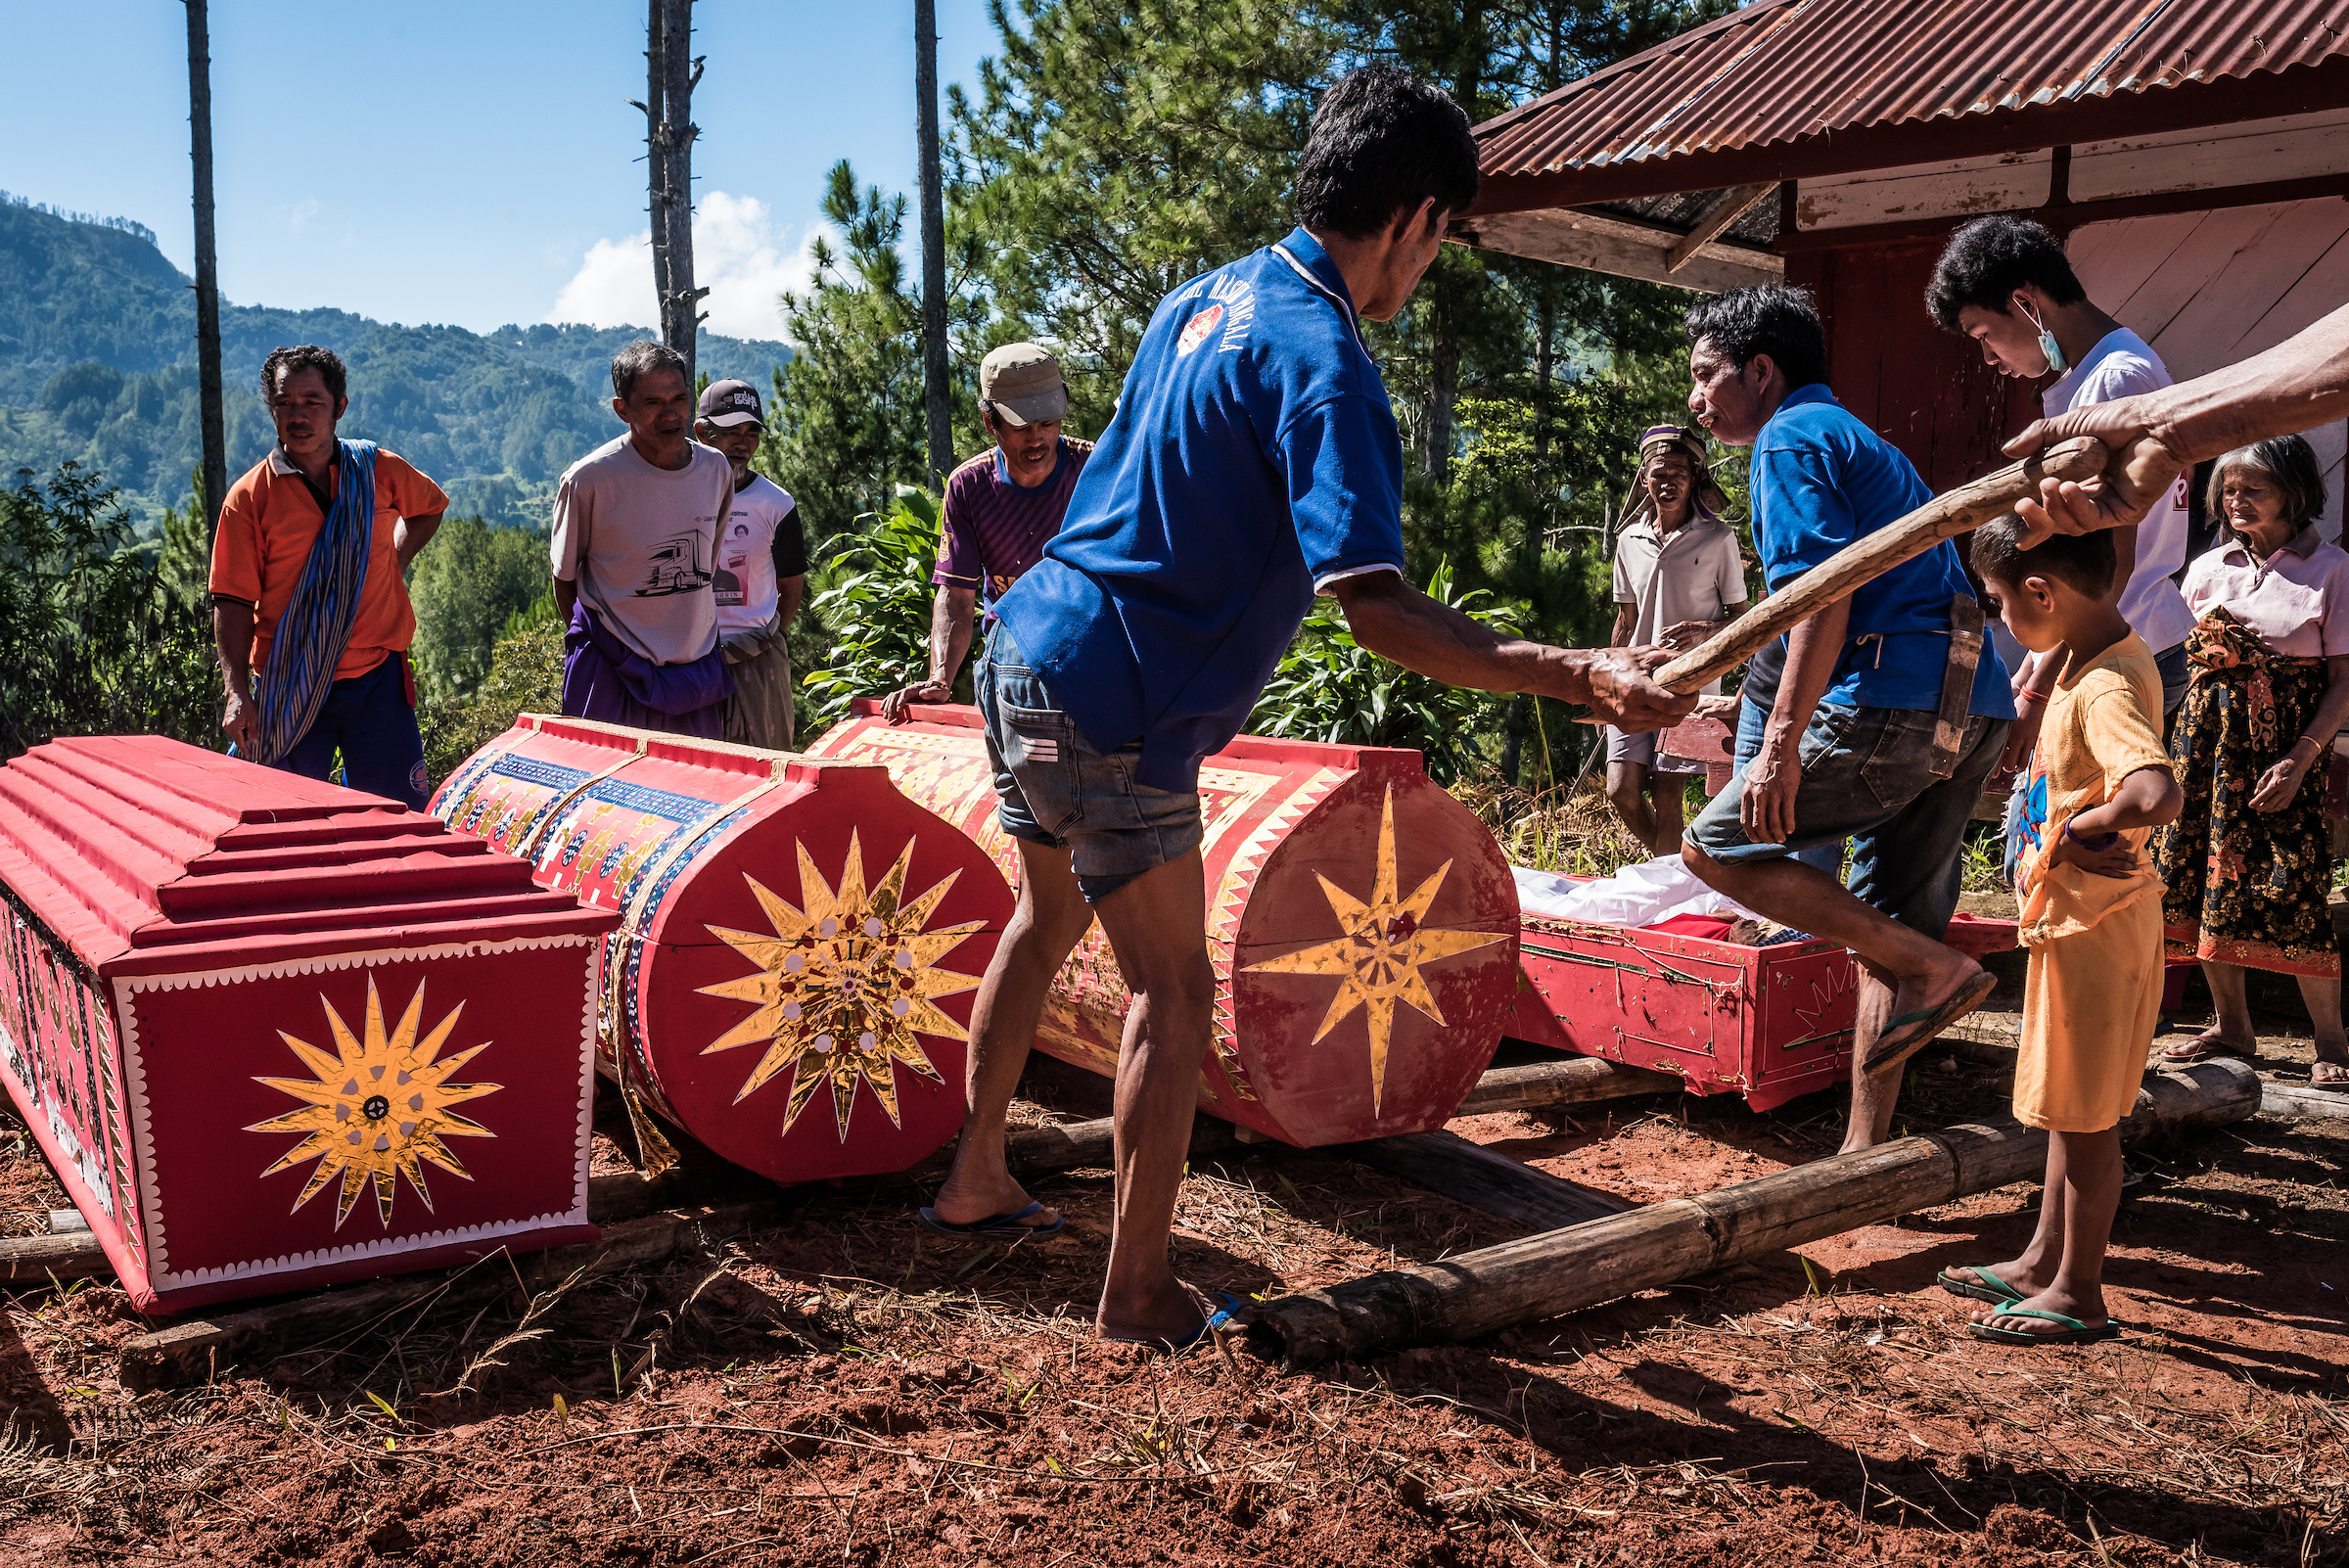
point(267, 525)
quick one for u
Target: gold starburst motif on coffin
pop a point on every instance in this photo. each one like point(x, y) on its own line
point(379, 1106)
point(1378, 954)
point(844, 980)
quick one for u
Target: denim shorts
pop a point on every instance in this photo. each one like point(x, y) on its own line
point(1753, 720)
point(1866, 775)
point(1055, 789)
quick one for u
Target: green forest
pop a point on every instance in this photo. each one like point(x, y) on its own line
point(97, 365)
point(1109, 150)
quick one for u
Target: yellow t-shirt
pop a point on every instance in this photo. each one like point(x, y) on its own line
point(2102, 726)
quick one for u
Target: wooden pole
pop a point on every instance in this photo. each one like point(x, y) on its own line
point(1472, 1294)
point(1960, 511)
point(1568, 1081)
point(209, 407)
point(670, 76)
point(2303, 1101)
point(935, 413)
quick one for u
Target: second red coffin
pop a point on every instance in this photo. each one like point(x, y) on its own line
point(800, 948)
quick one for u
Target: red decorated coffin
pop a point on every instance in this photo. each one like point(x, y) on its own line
point(1362, 922)
point(1768, 1023)
point(792, 978)
point(273, 1033)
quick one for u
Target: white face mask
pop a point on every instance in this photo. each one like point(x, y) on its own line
point(2048, 344)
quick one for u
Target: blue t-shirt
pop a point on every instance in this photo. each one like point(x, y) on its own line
point(1252, 456)
point(1820, 481)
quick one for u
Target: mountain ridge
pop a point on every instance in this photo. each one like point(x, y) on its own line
point(97, 364)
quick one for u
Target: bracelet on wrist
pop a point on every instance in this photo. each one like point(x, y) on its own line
point(2106, 843)
point(2028, 696)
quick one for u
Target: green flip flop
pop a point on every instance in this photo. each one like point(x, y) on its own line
point(1911, 1033)
point(1997, 1292)
point(2073, 1331)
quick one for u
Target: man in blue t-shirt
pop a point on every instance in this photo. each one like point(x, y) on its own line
point(1889, 713)
point(1253, 462)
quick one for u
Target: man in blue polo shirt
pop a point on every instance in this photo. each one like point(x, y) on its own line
point(1889, 713)
point(1252, 463)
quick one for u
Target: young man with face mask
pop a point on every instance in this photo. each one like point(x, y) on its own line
point(2005, 283)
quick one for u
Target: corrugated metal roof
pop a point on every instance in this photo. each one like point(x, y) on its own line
point(1783, 70)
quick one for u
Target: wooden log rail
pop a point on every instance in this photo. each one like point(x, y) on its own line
point(648, 1222)
point(1945, 517)
point(1473, 1294)
point(39, 1260)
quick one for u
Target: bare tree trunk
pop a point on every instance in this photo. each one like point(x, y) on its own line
point(208, 267)
point(934, 246)
point(672, 72)
point(1444, 351)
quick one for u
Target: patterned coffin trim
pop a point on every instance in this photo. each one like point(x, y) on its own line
point(128, 989)
point(1232, 897)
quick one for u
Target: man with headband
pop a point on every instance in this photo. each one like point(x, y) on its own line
point(1677, 579)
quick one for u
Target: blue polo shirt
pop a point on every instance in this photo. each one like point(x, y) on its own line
point(1820, 480)
point(1252, 456)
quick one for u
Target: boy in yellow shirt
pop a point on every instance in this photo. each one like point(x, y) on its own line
point(2092, 918)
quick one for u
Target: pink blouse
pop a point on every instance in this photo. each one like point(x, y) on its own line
point(2297, 599)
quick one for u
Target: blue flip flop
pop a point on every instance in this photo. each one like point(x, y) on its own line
point(1998, 1292)
point(2072, 1331)
point(1228, 1313)
point(1003, 1228)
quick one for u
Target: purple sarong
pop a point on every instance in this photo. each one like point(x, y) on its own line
point(605, 679)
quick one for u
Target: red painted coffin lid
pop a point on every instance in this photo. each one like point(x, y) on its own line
point(145, 856)
point(1378, 763)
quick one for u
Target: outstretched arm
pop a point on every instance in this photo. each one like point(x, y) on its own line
point(1391, 618)
point(2300, 383)
point(952, 615)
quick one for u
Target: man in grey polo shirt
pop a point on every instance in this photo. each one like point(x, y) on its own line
point(1678, 578)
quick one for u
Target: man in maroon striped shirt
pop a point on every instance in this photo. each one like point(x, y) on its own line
point(1002, 507)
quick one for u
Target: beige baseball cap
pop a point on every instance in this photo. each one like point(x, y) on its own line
point(1021, 383)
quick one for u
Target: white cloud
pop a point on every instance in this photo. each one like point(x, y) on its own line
point(740, 254)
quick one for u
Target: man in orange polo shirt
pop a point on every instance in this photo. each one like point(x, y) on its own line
point(344, 685)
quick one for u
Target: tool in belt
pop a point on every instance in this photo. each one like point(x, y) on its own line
point(1957, 683)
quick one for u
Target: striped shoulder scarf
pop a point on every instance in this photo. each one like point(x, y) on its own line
point(316, 625)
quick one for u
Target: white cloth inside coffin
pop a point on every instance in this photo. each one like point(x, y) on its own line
point(1635, 895)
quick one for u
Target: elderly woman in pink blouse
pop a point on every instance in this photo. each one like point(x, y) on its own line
point(2247, 864)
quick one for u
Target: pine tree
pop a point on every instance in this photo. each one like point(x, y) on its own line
point(846, 428)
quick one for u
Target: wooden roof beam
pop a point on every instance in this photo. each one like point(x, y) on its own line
point(1733, 205)
point(1603, 241)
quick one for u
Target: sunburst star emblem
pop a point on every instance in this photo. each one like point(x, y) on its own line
point(844, 983)
point(378, 1107)
point(1378, 953)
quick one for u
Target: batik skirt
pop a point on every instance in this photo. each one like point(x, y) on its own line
point(2244, 887)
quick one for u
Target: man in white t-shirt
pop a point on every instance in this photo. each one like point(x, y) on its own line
point(634, 553)
point(1678, 578)
point(762, 569)
point(2005, 283)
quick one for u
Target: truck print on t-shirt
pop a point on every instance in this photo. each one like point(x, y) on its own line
point(677, 566)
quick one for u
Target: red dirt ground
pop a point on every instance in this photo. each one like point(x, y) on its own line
point(843, 1389)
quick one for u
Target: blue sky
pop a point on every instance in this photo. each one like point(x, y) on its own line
point(473, 164)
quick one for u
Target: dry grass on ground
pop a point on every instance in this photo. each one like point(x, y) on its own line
point(846, 1389)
